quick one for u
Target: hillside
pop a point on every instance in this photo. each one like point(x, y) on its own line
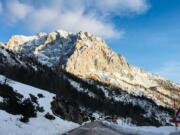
point(13, 120)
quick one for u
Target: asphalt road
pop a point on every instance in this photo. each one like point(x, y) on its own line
point(95, 128)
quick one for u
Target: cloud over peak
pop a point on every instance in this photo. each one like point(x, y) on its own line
point(74, 15)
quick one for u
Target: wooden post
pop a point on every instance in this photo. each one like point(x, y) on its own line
point(176, 119)
point(174, 103)
point(114, 119)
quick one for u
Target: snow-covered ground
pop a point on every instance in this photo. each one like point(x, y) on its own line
point(10, 124)
point(143, 130)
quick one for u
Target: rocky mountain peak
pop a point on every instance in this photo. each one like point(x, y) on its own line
point(89, 57)
point(16, 41)
point(91, 54)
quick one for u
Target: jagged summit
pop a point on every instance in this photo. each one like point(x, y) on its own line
point(89, 57)
point(48, 47)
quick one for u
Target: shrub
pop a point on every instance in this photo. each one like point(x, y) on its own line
point(49, 116)
point(40, 108)
point(33, 98)
point(24, 119)
point(40, 95)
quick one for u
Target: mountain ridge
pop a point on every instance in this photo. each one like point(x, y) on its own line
point(77, 98)
point(89, 57)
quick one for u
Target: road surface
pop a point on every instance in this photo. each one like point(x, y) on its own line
point(95, 128)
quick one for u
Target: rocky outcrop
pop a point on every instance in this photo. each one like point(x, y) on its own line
point(47, 48)
point(89, 57)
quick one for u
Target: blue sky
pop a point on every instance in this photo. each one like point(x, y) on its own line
point(146, 32)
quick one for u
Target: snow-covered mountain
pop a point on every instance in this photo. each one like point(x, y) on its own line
point(88, 57)
point(89, 79)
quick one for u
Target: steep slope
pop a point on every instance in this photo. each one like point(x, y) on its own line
point(9, 58)
point(11, 120)
point(88, 56)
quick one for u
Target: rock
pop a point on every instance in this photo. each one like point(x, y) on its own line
point(51, 38)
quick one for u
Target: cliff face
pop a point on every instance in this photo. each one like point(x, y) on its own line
point(89, 57)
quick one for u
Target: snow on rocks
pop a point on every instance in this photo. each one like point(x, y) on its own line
point(78, 88)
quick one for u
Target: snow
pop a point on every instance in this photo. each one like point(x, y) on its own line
point(138, 82)
point(64, 33)
point(4, 52)
point(78, 88)
point(10, 125)
point(48, 48)
point(96, 115)
point(9, 57)
point(143, 130)
point(125, 98)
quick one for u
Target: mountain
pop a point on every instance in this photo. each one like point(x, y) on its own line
point(88, 57)
point(89, 79)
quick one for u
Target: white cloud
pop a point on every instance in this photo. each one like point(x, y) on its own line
point(74, 15)
point(170, 70)
point(73, 21)
point(43, 18)
point(17, 10)
point(123, 7)
point(76, 21)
